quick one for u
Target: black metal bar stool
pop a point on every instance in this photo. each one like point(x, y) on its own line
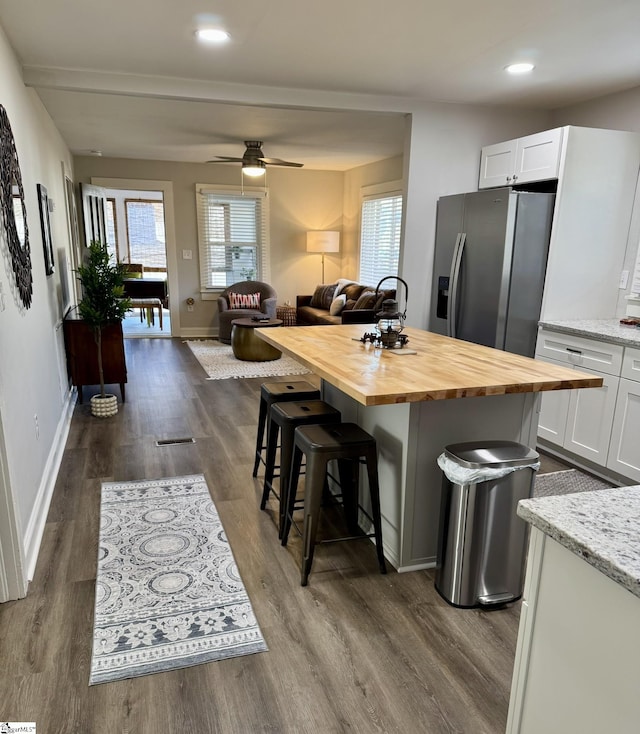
point(347, 443)
point(276, 392)
point(284, 418)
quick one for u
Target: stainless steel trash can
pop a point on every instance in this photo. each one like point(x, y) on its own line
point(482, 542)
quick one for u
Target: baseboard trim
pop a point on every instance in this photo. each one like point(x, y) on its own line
point(198, 332)
point(422, 566)
point(35, 527)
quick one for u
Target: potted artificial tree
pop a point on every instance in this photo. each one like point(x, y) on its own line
point(103, 303)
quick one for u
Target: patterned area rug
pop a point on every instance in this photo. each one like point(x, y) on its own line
point(218, 362)
point(566, 482)
point(168, 592)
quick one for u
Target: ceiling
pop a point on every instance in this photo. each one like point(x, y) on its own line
point(327, 84)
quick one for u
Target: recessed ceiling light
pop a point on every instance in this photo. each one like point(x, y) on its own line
point(216, 35)
point(523, 68)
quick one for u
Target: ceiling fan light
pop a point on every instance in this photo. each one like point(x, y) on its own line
point(254, 169)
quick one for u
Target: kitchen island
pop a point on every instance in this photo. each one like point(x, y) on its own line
point(577, 663)
point(449, 391)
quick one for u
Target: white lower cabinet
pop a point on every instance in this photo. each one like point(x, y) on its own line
point(590, 419)
point(577, 659)
point(624, 450)
point(554, 407)
point(580, 420)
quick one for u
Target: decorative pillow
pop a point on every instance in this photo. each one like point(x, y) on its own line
point(367, 300)
point(348, 306)
point(337, 305)
point(353, 291)
point(382, 296)
point(341, 284)
point(323, 295)
point(244, 300)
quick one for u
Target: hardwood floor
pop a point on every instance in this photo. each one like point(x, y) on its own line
point(354, 651)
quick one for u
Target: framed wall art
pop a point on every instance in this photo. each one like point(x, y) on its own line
point(47, 244)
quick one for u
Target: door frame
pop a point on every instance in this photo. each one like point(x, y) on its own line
point(13, 581)
point(166, 187)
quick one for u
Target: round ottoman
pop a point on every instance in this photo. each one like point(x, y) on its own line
point(247, 345)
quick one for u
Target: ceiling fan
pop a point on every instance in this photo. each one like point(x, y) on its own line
point(253, 161)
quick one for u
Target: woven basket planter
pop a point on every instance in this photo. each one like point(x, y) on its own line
point(104, 407)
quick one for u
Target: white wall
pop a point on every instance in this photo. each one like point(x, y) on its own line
point(355, 181)
point(299, 200)
point(620, 111)
point(442, 156)
point(33, 378)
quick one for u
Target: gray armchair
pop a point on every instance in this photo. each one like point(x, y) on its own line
point(226, 315)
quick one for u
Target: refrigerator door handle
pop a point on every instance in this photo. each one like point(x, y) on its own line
point(453, 280)
point(450, 305)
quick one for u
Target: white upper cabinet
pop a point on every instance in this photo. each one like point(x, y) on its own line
point(497, 165)
point(532, 158)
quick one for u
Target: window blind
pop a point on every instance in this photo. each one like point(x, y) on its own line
point(145, 232)
point(380, 237)
point(233, 236)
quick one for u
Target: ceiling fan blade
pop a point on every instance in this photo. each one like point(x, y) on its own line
point(278, 162)
point(225, 159)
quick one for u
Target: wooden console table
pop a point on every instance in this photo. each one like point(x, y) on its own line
point(82, 354)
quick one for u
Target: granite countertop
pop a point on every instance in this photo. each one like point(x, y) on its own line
point(610, 330)
point(602, 527)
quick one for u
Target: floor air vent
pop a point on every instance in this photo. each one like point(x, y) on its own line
point(174, 441)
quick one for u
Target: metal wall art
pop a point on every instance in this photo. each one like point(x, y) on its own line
point(13, 210)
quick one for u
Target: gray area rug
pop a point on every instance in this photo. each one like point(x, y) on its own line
point(218, 362)
point(168, 591)
point(566, 482)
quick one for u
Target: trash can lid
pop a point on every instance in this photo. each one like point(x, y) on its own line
point(477, 454)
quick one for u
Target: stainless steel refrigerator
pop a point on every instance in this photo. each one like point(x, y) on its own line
point(489, 267)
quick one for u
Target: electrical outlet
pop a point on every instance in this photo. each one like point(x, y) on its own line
point(187, 254)
point(35, 420)
point(624, 279)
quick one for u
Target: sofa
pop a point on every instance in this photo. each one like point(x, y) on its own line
point(344, 302)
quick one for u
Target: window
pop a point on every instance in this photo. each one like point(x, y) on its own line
point(145, 234)
point(380, 229)
point(233, 232)
point(135, 231)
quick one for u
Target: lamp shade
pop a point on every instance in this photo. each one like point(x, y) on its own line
point(322, 241)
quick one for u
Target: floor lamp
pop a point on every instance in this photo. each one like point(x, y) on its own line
point(323, 241)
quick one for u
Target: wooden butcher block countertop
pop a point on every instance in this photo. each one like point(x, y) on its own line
point(443, 368)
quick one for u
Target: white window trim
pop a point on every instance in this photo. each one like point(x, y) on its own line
point(378, 191)
point(211, 294)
